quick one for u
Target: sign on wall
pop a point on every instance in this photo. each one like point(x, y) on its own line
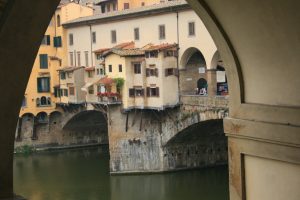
point(221, 78)
point(201, 70)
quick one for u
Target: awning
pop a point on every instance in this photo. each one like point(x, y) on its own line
point(86, 86)
point(89, 69)
point(105, 81)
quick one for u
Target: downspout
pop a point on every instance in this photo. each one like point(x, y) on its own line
point(177, 59)
point(91, 46)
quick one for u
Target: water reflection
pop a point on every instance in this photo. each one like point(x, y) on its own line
point(83, 175)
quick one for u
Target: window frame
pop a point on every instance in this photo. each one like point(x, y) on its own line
point(193, 32)
point(162, 32)
point(71, 39)
point(113, 36)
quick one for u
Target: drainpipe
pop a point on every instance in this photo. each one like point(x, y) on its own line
point(177, 59)
point(91, 46)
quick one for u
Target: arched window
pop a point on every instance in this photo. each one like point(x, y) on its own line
point(58, 20)
point(49, 101)
point(43, 101)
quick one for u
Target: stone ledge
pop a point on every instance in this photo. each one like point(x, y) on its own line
point(16, 197)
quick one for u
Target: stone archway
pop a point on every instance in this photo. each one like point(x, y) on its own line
point(193, 68)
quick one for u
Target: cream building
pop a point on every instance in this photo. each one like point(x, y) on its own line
point(164, 23)
point(42, 92)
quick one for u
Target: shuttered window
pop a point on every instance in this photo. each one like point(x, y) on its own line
point(44, 61)
point(137, 68)
point(151, 72)
point(113, 36)
point(191, 28)
point(162, 32)
point(57, 41)
point(46, 40)
point(136, 92)
point(171, 71)
point(43, 84)
point(71, 90)
point(152, 91)
point(136, 34)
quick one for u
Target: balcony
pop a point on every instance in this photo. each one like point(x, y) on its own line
point(109, 98)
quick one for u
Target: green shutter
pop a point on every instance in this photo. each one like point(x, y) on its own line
point(43, 61)
point(48, 39)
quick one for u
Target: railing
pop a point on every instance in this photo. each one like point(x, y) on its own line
point(109, 99)
point(205, 101)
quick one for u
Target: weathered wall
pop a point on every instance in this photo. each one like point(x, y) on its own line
point(146, 146)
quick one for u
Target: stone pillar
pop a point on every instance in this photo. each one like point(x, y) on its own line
point(212, 82)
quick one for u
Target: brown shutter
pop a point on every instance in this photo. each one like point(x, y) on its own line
point(157, 91)
point(131, 92)
point(147, 72)
point(147, 54)
point(156, 72)
point(165, 53)
point(148, 91)
point(166, 72)
point(143, 92)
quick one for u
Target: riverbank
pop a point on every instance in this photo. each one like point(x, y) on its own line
point(34, 149)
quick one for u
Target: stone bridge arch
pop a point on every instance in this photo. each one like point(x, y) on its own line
point(199, 145)
point(87, 126)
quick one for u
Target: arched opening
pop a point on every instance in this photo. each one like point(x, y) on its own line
point(199, 145)
point(201, 86)
point(193, 69)
point(24, 127)
point(58, 20)
point(87, 127)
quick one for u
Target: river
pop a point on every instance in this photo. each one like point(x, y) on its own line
point(83, 174)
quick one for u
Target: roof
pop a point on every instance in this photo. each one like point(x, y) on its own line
point(160, 47)
point(169, 6)
point(105, 80)
point(126, 52)
point(69, 69)
point(89, 69)
point(100, 51)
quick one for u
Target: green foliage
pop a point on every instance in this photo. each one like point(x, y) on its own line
point(26, 149)
point(119, 83)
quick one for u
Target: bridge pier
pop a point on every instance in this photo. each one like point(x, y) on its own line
point(185, 137)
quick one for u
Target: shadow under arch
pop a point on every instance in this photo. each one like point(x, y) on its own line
point(199, 145)
point(188, 55)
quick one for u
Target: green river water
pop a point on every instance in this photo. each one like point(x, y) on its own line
point(83, 174)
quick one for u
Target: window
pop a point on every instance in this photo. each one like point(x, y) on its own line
point(114, 7)
point(91, 90)
point(71, 39)
point(94, 37)
point(43, 84)
point(78, 59)
point(152, 72)
point(44, 61)
point(56, 92)
point(101, 71)
point(171, 71)
point(108, 7)
point(46, 40)
point(57, 41)
point(97, 71)
point(70, 74)
point(44, 101)
point(162, 32)
point(137, 68)
point(191, 28)
point(90, 74)
point(62, 75)
point(152, 91)
point(126, 6)
point(120, 68)
point(65, 92)
point(170, 53)
point(136, 34)
point(71, 90)
point(152, 54)
point(136, 92)
point(58, 20)
point(110, 68)
point(71, 59)
point(113, 36)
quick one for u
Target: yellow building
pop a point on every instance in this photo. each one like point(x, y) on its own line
point(42, 91)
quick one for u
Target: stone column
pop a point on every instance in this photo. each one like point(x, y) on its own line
point(212, 82)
